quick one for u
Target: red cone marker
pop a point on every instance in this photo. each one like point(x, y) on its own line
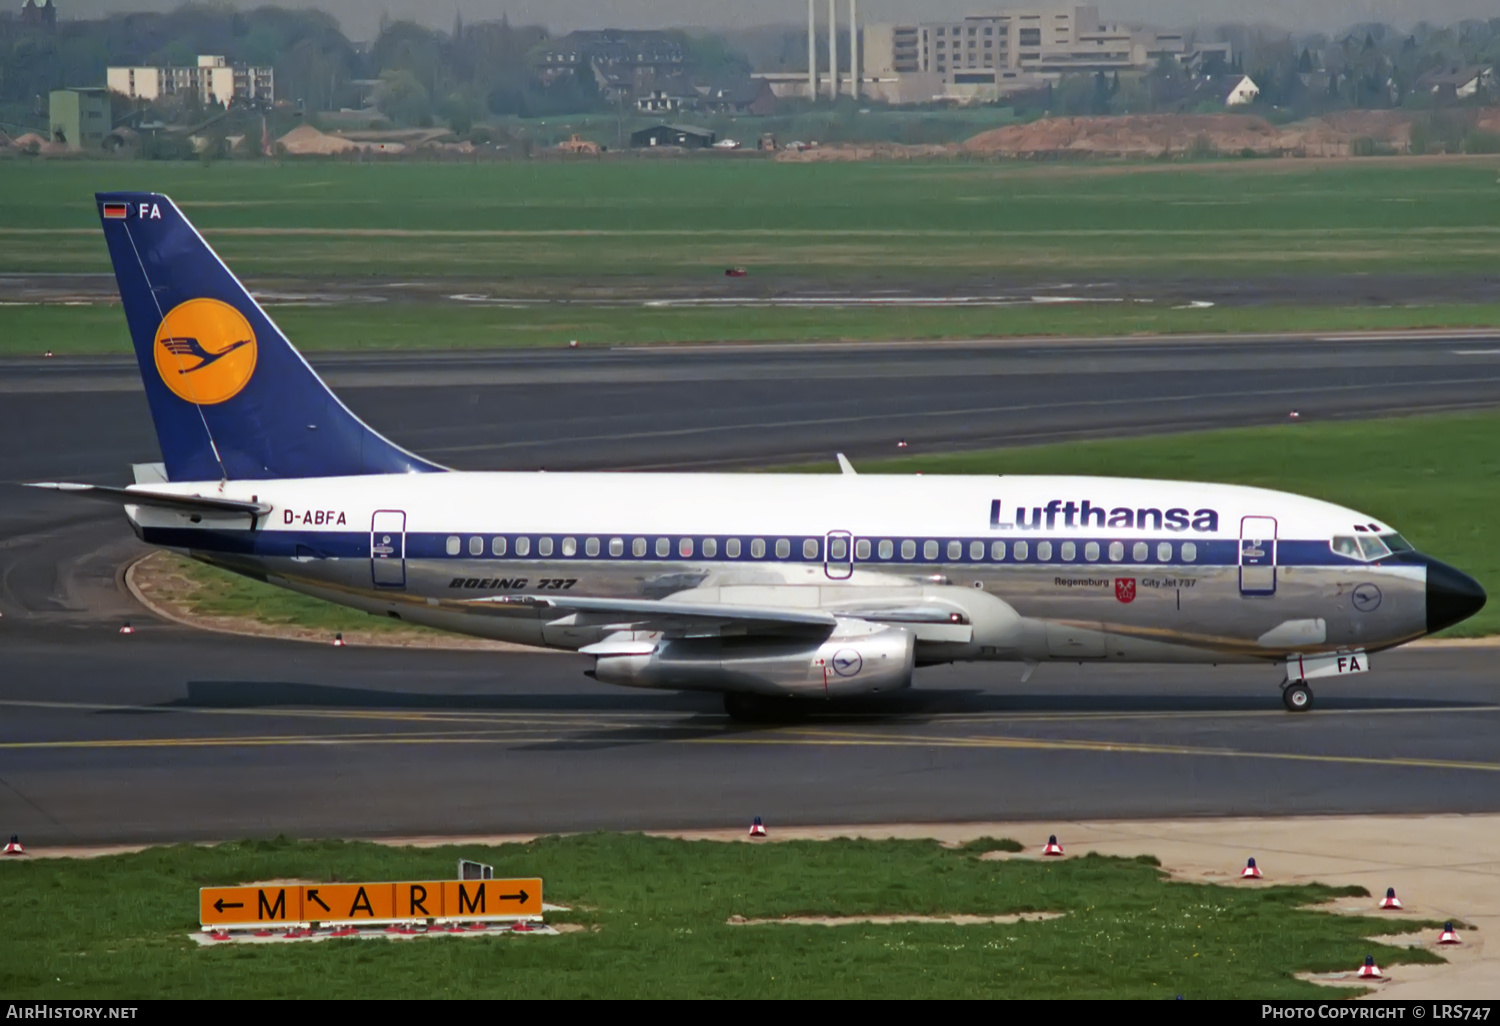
point(757, 828)
point(1251, 871)
point(1390, 900)
point(1448, 936)
point(1053, 848)
point(1370, 971)
point(15, 847)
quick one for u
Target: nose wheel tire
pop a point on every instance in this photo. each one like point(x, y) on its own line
point(1297, 697)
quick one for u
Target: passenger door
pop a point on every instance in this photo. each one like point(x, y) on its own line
point(838, 555)
point(1257, 556)
point(388, 548)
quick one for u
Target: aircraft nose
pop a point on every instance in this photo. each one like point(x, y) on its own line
point(1452, 596)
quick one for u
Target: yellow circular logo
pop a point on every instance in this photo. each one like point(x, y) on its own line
point(205, 351)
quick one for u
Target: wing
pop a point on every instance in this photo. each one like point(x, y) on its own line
point(678, 619)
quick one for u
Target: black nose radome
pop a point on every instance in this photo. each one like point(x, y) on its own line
point(1452, 596)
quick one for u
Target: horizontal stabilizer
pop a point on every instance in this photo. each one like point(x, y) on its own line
point(161, 500)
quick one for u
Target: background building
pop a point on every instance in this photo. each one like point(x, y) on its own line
point(79, 117)
point(987, 55)
point(214, 81)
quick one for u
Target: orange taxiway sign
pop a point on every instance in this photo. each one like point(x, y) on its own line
point(373, 902)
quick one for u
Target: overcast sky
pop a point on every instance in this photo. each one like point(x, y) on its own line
point(359, 17)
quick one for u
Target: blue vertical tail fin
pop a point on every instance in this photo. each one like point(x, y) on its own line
point(230, 396)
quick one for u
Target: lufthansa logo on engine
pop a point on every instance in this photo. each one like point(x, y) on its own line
point(847, 662)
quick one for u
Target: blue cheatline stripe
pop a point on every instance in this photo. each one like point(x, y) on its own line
point(434, 546)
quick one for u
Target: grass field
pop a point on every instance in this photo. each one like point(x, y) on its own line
point(695, 216)
point(1434, 478)
point(77, 330)
point(655, 911)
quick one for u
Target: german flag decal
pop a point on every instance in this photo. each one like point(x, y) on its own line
point(116, 211)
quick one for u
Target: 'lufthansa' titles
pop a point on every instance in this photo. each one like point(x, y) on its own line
point(1058, 513)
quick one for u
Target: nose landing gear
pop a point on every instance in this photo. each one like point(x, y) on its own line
point(1296, 696)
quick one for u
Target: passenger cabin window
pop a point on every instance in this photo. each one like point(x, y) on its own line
point(710, 548)
point(1189, 552)
point(1140, 552)
point(617, 546)
point(663, 547)
point(685, 547)
point(976, 552)
point(1044, 551)
point(1116, 551)
point(862, 549)
point(1164, 552)
point(955, 550)
point(1069, 552)
point(544, 546)
point(591, 547)
point(732, 548)
point(908, 549)
point(997, 551)
point(783, 548)
point(453, 543)
point(1021, 550)
point(887, 548)
point(810, 548)
point(476, 546)
point(757, 548)
point(638, 547)
point(570, 546)
point(523, 546)
point(929, 550)
point(838, 550)
point(1091, 552)
point(497, 546)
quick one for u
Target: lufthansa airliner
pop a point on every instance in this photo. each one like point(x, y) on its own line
point(760, 587)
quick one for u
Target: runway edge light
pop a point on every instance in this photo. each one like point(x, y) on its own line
point(757, 828)
point(1251, 871)
point(338, 640)
point(1448, 936)
point(125, 628)
point(15, 847)
point(1370, 971)
point(1052, 848)
point(1390, 900)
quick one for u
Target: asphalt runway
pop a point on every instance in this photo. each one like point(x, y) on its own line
point(171, 733)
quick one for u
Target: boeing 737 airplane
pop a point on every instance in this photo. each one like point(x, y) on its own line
point(756, 586)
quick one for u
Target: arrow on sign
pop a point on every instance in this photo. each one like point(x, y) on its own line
point(515, 897)
point(221, 905)
point(312, 895)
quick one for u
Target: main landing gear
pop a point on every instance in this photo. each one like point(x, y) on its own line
point(1297, 696)
point(746, 707)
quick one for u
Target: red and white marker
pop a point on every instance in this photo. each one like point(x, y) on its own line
point(757, 828)
point(1052, 848)
point(125, 628)
point(1370, 971)
point(523, 927)
point(15, 847)
point(1251, 871)
point(338, 641)
point(1390, 900)
point(1446, 937)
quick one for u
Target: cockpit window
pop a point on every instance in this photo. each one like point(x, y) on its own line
point(1373, 547)
point(1396, 543)
point(1345, 545)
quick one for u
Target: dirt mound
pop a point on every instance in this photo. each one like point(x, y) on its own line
point(1157, 135)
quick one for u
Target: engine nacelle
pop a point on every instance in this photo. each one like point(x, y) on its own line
point(857, 658)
